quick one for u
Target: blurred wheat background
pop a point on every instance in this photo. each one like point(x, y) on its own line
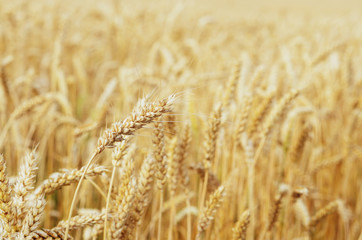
point(180, 120)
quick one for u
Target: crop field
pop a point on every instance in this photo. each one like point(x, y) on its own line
point(180, 120)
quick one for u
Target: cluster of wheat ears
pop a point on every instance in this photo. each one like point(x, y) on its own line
point(123, 122)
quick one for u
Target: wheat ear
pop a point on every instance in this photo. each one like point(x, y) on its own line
point(210, 147)
point(125, 196)
point(143, 114)
point(161, 170)
point(81, 221)
point(119, 153)
point(33, 217)
point(208, 213)
point(120, 226)
point(232, 84)
point(211, 136)
point(24, 185)
point(260, 114)
point(324, 212)
point(274, 117)
point(58, 180)
point(242, 125)
point(159, 155)
point(283, 190)
point(141, 197)
point(6, 206)
point(241, 226)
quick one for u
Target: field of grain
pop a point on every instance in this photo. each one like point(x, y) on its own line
point(180, 120)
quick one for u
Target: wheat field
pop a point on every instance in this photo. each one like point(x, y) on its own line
point(180, 120)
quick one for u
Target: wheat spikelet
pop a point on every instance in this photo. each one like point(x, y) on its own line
point(93, 232)
point(120, 151)
point(241, 226)
point(60, 179)
point(207, 215)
